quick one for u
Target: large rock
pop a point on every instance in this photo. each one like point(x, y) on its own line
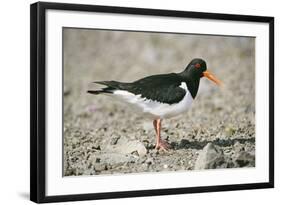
point(124, 146)
point(210, 158)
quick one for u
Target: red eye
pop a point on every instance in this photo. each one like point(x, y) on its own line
point(197, 65)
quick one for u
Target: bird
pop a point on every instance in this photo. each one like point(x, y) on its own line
point(160, 96)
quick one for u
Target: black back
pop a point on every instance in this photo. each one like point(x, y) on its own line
point(163, 88)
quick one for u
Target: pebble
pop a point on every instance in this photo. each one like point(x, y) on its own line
point(245, 159)
point(149, 161)
point(100, 167)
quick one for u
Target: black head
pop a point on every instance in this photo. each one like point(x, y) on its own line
point(196, 68)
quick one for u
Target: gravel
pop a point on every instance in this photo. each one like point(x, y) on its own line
point(104, 136)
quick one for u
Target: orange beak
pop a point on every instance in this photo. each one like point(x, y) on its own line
point(211, 77)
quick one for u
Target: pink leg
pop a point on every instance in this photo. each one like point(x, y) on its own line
point(160, 144)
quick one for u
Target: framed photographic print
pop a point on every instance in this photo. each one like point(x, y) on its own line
point(129, 102)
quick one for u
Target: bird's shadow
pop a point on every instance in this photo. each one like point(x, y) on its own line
point(187, 144)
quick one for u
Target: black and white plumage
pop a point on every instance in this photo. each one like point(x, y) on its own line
point(160, 96)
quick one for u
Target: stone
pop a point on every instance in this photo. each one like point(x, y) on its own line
point(229, 131)
point(114, 140)
point(111, 158)
point(244, 159)
point(149, 161)
point(100, 167)
point(210, 158)
point(89, 172)
point(125, 146)
point(75, 140)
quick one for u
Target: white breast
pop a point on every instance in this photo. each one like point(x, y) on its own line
point(155, 109)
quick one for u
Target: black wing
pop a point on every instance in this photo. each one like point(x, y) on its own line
point(162, 88)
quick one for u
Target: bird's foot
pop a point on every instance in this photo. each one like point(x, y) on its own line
point(163, 145)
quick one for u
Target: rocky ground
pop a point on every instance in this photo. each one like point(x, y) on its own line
point(103, 136)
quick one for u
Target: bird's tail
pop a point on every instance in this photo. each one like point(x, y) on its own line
point(96, 92)
point(110, 87)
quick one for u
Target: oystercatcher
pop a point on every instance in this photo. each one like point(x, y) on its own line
point(161, 96)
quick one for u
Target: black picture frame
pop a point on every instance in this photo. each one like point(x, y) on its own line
point(38, 100)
